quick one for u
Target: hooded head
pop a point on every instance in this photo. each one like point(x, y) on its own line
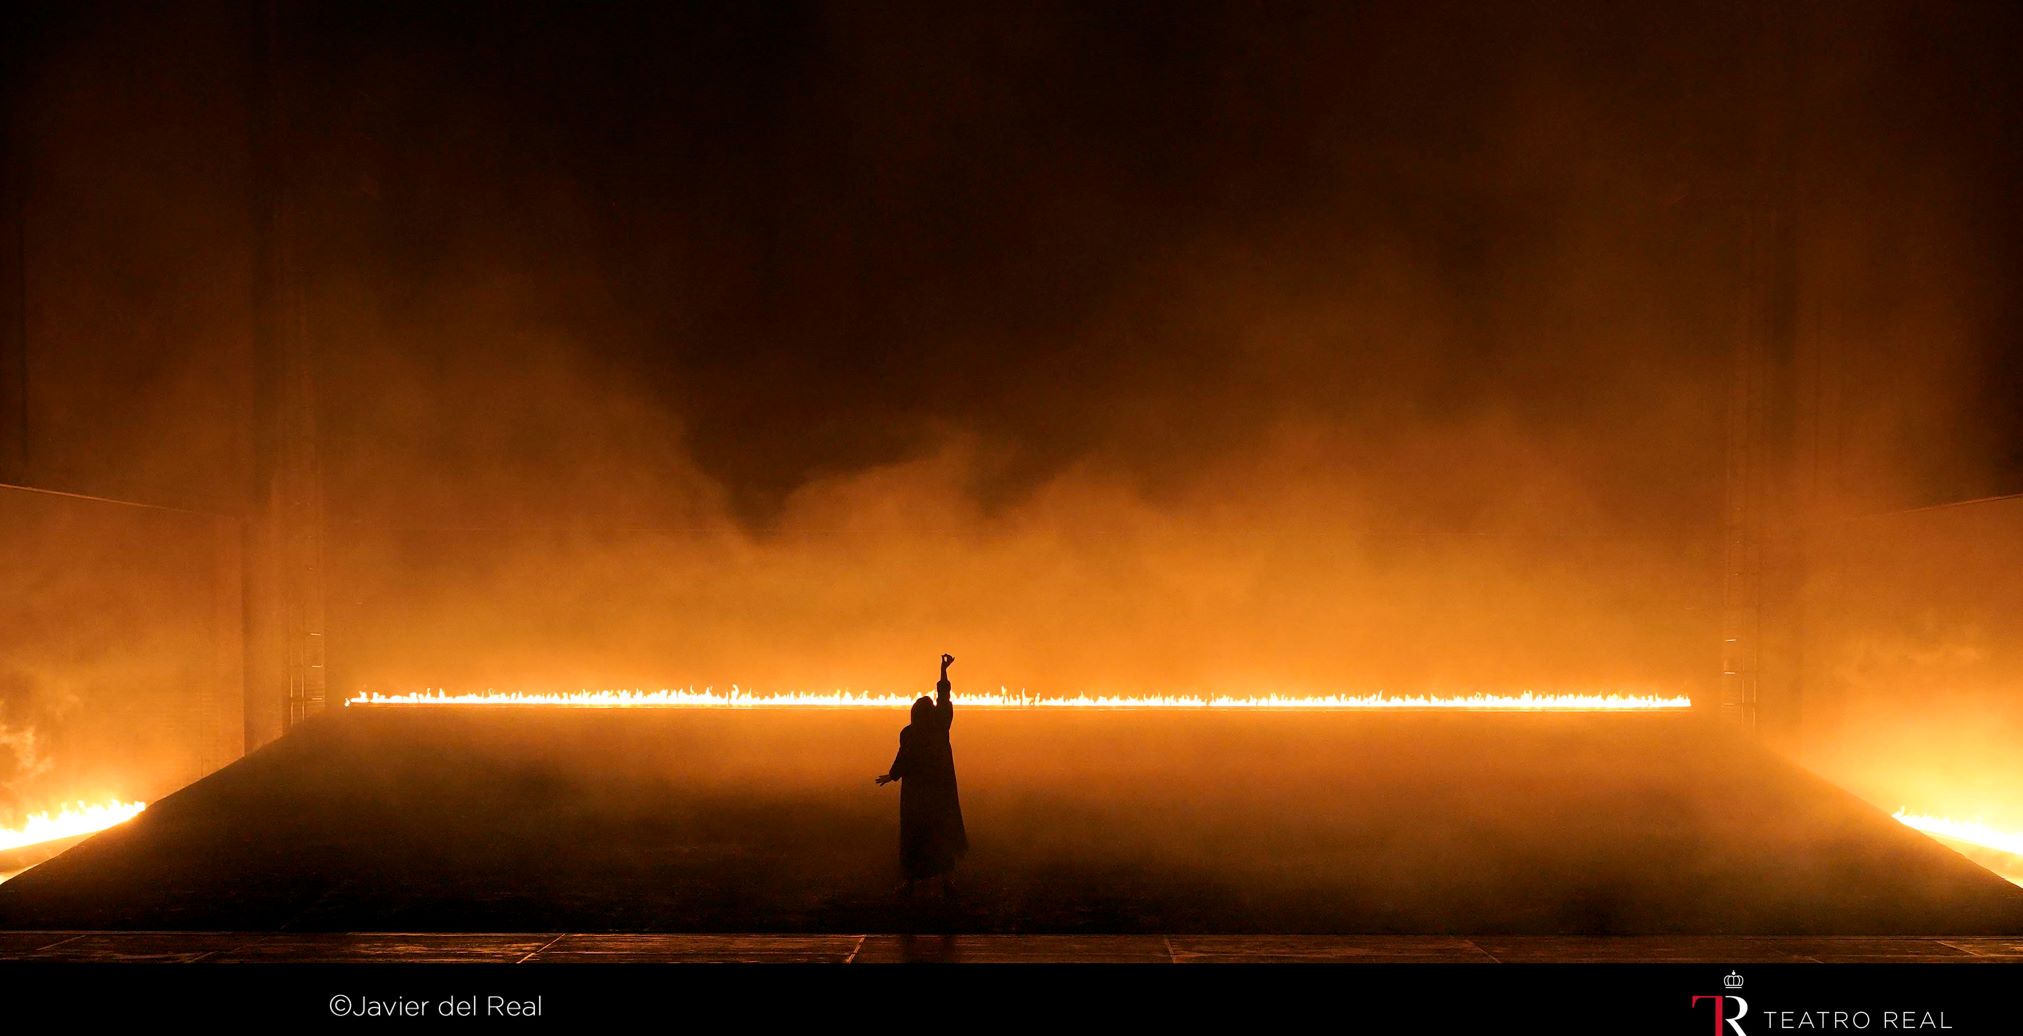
point(923, 706)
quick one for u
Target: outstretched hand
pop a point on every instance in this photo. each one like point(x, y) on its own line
point(947, 660)
point(883, 778)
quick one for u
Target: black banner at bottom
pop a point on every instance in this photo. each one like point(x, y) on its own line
point(1696, 999)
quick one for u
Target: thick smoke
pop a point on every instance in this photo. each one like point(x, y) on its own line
point(1105, 375)
point(1331, 550)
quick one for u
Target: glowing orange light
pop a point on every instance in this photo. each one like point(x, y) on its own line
point(738, 698)
point(77, 819)
point(1968, 831)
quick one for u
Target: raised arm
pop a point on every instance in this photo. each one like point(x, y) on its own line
point(942, 706)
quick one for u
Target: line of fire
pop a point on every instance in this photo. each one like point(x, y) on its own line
point(514, 469)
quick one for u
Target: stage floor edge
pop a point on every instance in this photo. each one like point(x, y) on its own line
point(650, 947)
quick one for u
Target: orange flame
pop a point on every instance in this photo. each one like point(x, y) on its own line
point(76, 819)
point(736, 697)
point(1971, 832)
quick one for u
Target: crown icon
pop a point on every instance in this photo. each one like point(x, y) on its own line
point(1732, 981)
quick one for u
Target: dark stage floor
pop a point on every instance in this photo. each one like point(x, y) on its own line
point(648, 948)
point(1120, 823)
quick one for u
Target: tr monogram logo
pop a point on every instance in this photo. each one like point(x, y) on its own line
point(1721, 1014)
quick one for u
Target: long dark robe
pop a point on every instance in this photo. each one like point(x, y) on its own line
point(931, 835)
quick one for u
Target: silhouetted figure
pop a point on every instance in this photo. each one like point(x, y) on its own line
point(931, 835)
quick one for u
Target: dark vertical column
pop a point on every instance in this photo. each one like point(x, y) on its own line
point(283, 556)
point(1742, 505)
point(1778, 687)
point(1762, 517)
point(1781, 453)
point(265, 643)
point(14, 453)
point(1818, 385)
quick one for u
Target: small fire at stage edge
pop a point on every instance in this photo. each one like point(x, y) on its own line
point(1999, 851)
point(69, 821)
point(42, 835)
